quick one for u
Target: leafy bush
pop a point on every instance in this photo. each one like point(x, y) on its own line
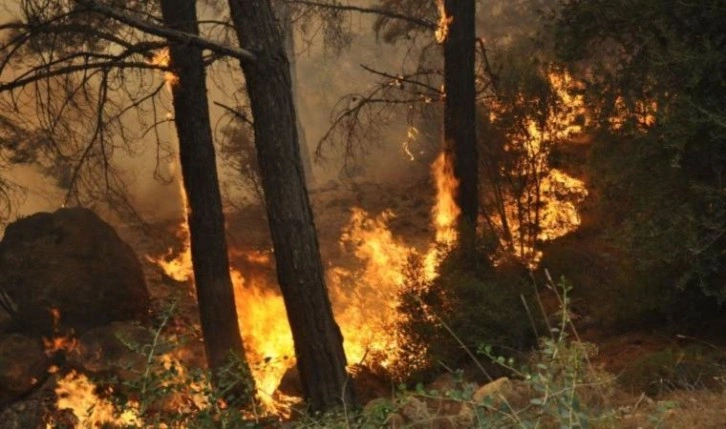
point(466, 305)
point(634, 260)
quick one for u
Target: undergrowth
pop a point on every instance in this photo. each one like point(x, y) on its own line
point(554, 386)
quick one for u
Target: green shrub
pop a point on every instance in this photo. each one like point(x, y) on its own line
point(466, 305)
point(636, 260)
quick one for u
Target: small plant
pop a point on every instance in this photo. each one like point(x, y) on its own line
point(168, 395)
point(559, 379)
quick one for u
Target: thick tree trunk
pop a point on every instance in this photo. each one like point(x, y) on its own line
point(215, 294)
point(460, 108)
point(318, 341)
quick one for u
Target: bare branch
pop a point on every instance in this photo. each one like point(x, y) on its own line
point(75, 68)
point(387, 13)
point(405, 79)
point(168, 33)
point(241, 116)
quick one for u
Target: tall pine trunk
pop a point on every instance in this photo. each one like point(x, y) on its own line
point(318, 341)
point(460, 109)
point(215, 294)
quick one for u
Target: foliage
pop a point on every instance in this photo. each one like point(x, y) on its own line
point(467, 304)
point(658, 68)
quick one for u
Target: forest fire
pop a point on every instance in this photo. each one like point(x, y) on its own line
point(374, 281)
point(445, 211)
point(370, 335)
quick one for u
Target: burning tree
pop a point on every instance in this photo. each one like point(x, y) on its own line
point(215, 295)
point(457, 33)
point(318, 342)
point(519, 108)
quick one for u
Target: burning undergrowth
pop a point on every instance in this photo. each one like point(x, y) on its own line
point(369, 270)
point(366, 273)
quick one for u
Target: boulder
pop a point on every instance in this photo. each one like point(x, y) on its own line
point(23, 364)
point(74, 262)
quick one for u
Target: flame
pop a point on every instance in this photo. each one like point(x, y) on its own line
point(58, 342)
point(178, 266)
point(446, 211)
point(642, 111)
point(442, 28)
point(548, 197)
point(162, 58)
point(411, 136)
point(369, 335)
point(78, 394)
point(268, 340)
point(375, 279)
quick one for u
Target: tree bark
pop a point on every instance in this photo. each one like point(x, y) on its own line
point(215, 293)
point(460, 108)
point(318, 340)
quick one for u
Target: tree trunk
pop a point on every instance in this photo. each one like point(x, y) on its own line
point(460, 108)
point(318, 341)
point(215, 294)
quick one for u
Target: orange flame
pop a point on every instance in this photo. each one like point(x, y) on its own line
point(162, 58)
point(266, 333)
point(442, 28)
point(551, 195)
point(58, 341)
point(78, 394)
point(369, 335)
point(445, 211)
